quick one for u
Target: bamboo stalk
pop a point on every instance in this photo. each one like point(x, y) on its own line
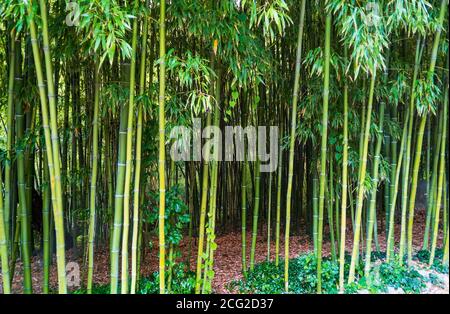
point(23, 210)
point(51, 138)
point(204, 201)
point(363, 168)
point(129, 160)
point(323, 159)
point(373, 199)
point(94, 171)
point(9, 140)
point(118, 201)
point(4, 246)
point(344, 189)
point(430, 78)
point(162, 151)
point(255, 214)
point(278, 214)
point(295, 97)
point(244, 215)
point(269, 221)
point(46, 248)
point(137, 171)
point(211, 245)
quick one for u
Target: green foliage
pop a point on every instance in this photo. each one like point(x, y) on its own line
point(226, 30)
point(195, 75)
point(183, 281)
point(435, 280)
point(16, 10)
point(96, 289)
point(267, 14)
point(113, 96)
point(104, 24)
point(268, 278)
point(362, 29)
point(439, 267)
point(377, 256)
point(423, 256)
point(411, 15)
point(176, 215)
point(427, 93)
point(404, 277)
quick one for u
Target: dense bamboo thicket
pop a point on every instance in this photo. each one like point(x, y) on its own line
point(94, 93)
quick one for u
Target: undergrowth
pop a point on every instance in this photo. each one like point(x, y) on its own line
point(423, 256)
point(183, 282)
point(267, 278)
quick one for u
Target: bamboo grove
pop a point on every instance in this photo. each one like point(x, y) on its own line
point(91, 91)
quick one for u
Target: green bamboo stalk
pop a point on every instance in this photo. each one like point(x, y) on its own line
point(46, 248)
point(445, 206)
point(9, 140)
point(445, 257)
point(363, 168)
point(329, 195)
point(428, 175)
point(415, 175)
point(118, 201)
point(109, 179)
point(244, 215)
point(390, 237)
point(209, 265)
point(204, 201)
point(440, 185)
point(337, 214)
point(4, 246)
point(394, 158)
point(278, 214)
point(345, 145)
point(140, 247)
point(51, 140)
point(430, 78)
point(137, 171)
point(315, 208)
point(298, 64)
point(323, 161)
point(94, 171)
point(372, 230)
point(170, 265)
point(255, 214)
point(442, 162)
point(15, 248)
point(269, 210)
point(162, 151)
point(352, 209)
point(361, 150)
point(388, 157)
point(129, 159)
point(373, 199)
point(407, 152)
point(23, 211)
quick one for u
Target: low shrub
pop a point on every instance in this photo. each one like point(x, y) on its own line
point(401, 277)
point(183, 282)
point(267, 278)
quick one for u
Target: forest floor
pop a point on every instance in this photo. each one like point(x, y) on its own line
point(228, 262)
